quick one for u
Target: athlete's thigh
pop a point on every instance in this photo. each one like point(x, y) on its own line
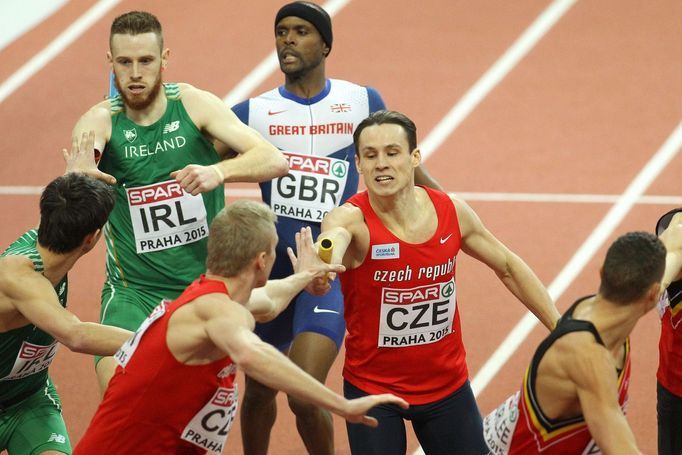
point(323, 315)
point(389, 438)
point(39, 426)
point(450, 426)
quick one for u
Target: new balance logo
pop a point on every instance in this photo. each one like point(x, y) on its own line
point(321, 310)
point(445, 239)
point(59, 438)
point(172, 126)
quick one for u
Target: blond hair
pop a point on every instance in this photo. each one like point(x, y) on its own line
point(238, 234)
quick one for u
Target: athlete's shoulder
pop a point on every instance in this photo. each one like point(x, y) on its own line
point(374, 99)
point(345, 215)
point(13, 268)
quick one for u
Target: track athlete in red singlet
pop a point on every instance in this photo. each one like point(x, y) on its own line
point(174, 390)
point(575, 390)
point(399, 243)
point(669, 375)
point(311, 118)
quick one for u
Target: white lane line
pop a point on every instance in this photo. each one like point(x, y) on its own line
point(494, 75)
point(467, 196)
point(582, 256)
point(269, 64)
point(61, 42)
point(17, 18)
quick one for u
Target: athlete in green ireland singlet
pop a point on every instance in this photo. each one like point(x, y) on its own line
point(157, 148)
point(33, 318)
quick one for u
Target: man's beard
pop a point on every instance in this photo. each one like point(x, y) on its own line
point(138, 103)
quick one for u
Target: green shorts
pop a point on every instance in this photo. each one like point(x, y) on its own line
point(34, 425)
point(127, 308)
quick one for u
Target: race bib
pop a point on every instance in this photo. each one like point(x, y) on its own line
point(165, 216)
point(421, 315)
point(126, 352)
point(209, 428)
point(31, 359)
point(313, 187)
point(499, 426)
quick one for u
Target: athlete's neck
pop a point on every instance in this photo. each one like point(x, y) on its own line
point(150, 114)
point(57, 265)
point(306, 85)
point(613, 321)
point(239, 287)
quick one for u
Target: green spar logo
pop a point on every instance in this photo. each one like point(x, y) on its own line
point(447, 289)
point(339, 169)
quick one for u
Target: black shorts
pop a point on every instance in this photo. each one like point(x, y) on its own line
point(450, 426)
point(669, 411)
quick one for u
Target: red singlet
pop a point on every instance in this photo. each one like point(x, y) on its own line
point(401, 311)
point(669, 373)
point(157, 405)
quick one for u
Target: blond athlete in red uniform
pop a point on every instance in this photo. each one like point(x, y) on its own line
point(575, 390)
point(174, 390)
point(399, 243)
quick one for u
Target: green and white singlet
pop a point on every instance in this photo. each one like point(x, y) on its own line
point(26, 352)
point(157, 234)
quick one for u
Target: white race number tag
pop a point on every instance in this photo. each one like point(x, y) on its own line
point(209, 428)
point(31, 359)
point(165, 216)
point(313, 187)
point(421, 315)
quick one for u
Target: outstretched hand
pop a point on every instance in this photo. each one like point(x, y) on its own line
point(306, 259)
point(672, 236)
point(81, 158)
point(357, 409)
point(197, 179)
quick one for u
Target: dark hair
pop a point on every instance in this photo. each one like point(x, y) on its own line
point(136, 23)
point(633, 263)
point(71, 207)
point(391, 117)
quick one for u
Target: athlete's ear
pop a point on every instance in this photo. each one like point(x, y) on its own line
point(110, 58)
point(357, 163)
point(164, 58)
point(416, 157)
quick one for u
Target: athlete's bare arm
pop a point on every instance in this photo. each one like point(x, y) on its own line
point(231, 331)
point(270, 300)
point(481, 244)
point(27, 297)
point(258, 160)
point(92, 132)
point(592, 373)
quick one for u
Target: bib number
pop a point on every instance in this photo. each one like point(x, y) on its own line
point(499, 426)
point(313, 186)
point(31, 359)
point(209, 428)
point(421, 315)
point(165, 216)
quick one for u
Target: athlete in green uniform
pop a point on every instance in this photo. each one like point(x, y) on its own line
point(156, 143)
point(33, 318)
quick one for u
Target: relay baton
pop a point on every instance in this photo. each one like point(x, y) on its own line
point(325, 253)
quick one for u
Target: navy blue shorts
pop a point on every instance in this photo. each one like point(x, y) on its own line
point(307, 313)
point(669, 410)
point(450, 426)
